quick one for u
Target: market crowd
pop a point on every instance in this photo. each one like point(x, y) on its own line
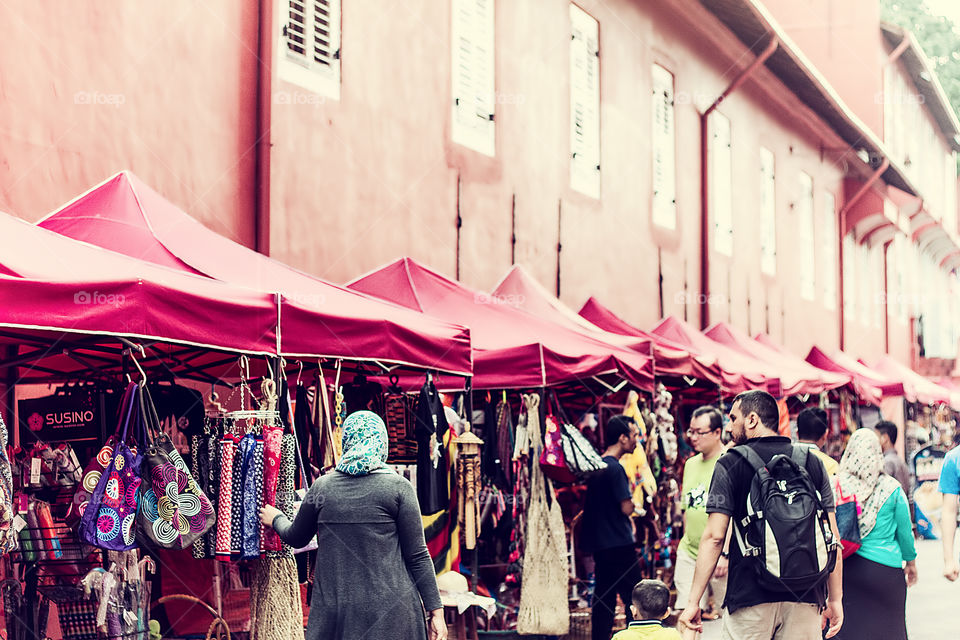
point(786, 542)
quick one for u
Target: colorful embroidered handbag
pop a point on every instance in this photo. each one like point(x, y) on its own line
point(88, 482)
point(553, 461)
point(174, 510)
point(108, 519)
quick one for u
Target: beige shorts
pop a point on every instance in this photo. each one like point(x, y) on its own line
point(774, 621)
point(683, 580)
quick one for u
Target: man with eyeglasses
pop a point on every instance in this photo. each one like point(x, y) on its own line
point(704, 434)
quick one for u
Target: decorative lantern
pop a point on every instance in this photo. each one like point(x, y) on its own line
point(468, 484)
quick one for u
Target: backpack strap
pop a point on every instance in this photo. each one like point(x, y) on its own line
point(746, 452)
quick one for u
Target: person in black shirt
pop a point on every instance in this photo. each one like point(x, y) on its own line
point(607, 530)
point(754, 613)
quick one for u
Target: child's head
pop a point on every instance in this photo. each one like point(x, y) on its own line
point(651, 600)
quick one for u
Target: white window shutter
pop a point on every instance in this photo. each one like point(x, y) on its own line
point(807, 241)
point(721, 183)
point(295, 30)
point(830, 239)
point(664, 150)
point(584, 103)
point(768, 212)
point(310, 46)
point(849, 276)
point(473, 81)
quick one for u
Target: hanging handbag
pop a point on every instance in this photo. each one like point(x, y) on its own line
point(88, 482)
point(553, 461)
point(108, 519)
point(174, 511)
point(848, 521)
point(567, 455)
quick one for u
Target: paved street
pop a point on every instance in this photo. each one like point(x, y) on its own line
point(931, 605)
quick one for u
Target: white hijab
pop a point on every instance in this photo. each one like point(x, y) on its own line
point(861, 475)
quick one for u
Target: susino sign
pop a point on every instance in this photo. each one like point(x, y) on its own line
point(57, 418)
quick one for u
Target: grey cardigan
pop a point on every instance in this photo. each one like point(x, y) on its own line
point(373, 568)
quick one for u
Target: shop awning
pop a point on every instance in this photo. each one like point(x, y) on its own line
point(873, 219)
point(870, 385)
point(317, 318)
point(796, 375)
point(924, 391)
point(669, 357)
point(512, 348)
point(933, 239)
point(63, 303)
point(739, 372)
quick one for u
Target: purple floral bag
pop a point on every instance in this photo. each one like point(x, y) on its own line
point(175, 511)
point(111, 513)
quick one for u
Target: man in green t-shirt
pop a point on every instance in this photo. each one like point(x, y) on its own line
point(704, 434)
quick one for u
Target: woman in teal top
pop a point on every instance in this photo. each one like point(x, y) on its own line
point(875, 579)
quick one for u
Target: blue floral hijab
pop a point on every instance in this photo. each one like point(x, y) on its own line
point(364, 444)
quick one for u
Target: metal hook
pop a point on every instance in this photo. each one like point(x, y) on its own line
point(143, 375)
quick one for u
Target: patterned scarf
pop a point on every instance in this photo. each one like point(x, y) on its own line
point(861, 475)
point(364, 444)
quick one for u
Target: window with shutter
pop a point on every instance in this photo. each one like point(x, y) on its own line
point(664, 150)
point(310, 46)
point(829, 233)
point(849, 277)
point(806, 240)
point(473, 82)
point(584, 103)
point(768, 213)
point(721, 183)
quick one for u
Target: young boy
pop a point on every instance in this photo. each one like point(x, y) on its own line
point(651, 604)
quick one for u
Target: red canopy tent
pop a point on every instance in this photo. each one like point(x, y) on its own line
point(797, 376)
point(871, 386)
point(924, 391)
point(512, 348)
point(738, 372)
point(520, 289)
point(669, 357)
point(317, 318)
point(62, 302)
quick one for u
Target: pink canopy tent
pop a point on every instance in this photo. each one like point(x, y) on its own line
point(520, 289)
point(78, 297)
point(924, 391)
point(669, 357)
point(317, 318)
point(512, 348)
point(796, 375)
point(738, 372)
point(870, 385)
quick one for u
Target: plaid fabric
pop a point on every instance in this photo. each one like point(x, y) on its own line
point(78, 620)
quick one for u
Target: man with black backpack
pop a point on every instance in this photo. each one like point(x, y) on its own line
point(784, 580)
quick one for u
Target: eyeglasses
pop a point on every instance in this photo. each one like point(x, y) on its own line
point(697, 432)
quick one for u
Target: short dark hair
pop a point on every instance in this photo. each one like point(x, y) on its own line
point(887, 427)
point(761, 403)
point(812, 423)
point(617, 426)
point(716, 418)
point(651, 599)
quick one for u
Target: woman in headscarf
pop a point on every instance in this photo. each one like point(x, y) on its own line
point(374, 576)
point(875, 578)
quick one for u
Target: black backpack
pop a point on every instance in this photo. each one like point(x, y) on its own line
point(786, 534)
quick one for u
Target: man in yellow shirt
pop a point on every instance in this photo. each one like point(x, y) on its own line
point(812, 425)
point(650, 605)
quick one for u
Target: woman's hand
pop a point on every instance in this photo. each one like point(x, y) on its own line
point(268, 513)
point(910, 571)
point(437, 625)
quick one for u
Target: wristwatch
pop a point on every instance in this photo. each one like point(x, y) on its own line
point(725, 554)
